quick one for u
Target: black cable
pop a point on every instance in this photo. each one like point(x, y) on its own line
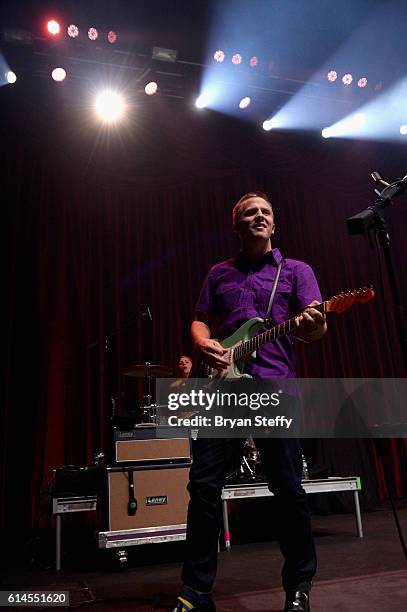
point(380, 443)
point(384, 302)
point(90, 602)
point(154, 602)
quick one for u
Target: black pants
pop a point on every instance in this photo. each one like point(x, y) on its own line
point(212, 459)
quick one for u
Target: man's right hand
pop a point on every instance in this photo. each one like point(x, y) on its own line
point(212, 353)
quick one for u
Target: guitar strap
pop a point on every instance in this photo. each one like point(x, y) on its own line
point(273, 292)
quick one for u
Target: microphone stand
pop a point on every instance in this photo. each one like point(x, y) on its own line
point(110, 399)
point(145, 314)
point(373, 218)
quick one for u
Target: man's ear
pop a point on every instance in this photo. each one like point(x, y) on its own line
point(272, 231)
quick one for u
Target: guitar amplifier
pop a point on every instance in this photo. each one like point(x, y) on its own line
point(141, 446)
point(159, 495)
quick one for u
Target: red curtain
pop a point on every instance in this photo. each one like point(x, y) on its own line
point(92, 235)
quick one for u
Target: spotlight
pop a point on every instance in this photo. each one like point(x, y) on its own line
point(112, 37)
point(218, 56)
point(151, 88)
point(253, 61)
point(357, 120)
point(58, 74)
point(203, 100)
point(11, 77)
point(73, 31)
point(53, 27)
point(332, 76)
point(347, 79)
point(93, 33)
point(346, 127)
point(362, 82)
point(244, 102)
point(109, 106)
point(268, 125)
point(237, 59)
point(403, 129)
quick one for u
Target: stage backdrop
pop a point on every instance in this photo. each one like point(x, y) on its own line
point(101, 221)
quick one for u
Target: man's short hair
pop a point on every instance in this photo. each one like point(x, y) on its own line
point(237, 209)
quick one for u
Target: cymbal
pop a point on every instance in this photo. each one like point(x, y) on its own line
point(147, 369)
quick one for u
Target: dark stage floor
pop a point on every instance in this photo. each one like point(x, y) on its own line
point(368, 574)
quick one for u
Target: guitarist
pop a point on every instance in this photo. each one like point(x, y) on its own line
point(235, 291)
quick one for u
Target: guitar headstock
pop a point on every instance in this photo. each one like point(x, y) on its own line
point(345, 300)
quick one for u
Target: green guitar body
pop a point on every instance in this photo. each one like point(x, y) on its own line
point(244, 333)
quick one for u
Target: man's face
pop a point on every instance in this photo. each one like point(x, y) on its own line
point(256, 219)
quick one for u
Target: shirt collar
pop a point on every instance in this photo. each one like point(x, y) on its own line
point(274, 255)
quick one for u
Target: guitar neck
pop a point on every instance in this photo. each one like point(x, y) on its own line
point(277, 331)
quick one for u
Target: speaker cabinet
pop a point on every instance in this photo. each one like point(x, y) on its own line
point(161, 495)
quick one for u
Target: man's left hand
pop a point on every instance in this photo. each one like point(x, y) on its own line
point(311, 324)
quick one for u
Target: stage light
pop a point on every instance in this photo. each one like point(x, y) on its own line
point(58, 74)
point(112, 37)
point(11, 77)
point(93, 33)
point(268, 125)
point(347, 79)
point(218, 56)
point(151, 88)
point(362, 82)
point(253, 61)
point(109, 106)
point(332, 76)
point(403, 129)
point(237, 59)
point(346, 127)
point(73, 31)
point(244, 102)
point(53, 27)
point(203, 100)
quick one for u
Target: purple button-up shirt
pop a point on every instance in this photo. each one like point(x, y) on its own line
point(235, 291)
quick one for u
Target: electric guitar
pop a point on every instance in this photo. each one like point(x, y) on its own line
point(244, 342)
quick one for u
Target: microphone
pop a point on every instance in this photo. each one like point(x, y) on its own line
point(378, 179)
point(132, 503)
point(145, 312)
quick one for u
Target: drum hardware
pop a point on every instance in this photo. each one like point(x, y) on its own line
point(148, 371)
point(250, 468)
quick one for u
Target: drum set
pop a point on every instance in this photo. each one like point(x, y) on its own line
point(147, 413)
point(250, 468)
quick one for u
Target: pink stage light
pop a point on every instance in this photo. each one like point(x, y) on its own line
point(332, 76)
point(53, 27)
point(347, 79)
point(112, 37)
point(362, 82)
point(254, 61)
point(237, 59)
point(218, 56)
point(93, 33)
point(73, 31)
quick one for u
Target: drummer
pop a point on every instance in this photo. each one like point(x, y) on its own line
point(184, 368)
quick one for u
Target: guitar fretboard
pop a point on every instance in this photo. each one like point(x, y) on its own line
point(277, 331)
